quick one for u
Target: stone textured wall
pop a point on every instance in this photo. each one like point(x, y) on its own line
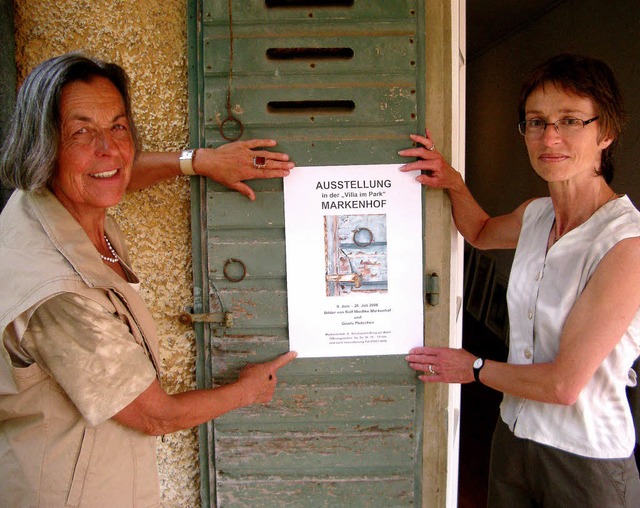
point(148, 38)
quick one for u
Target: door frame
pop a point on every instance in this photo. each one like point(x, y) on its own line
point(445, 114)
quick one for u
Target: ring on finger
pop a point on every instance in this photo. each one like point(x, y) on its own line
point(259, 162)
point(432, 147)
point(431, 371)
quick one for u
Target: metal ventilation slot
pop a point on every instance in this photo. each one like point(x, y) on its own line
point(310, 53)
point(311, 107)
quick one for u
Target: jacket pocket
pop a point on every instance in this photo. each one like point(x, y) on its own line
point(82, 466)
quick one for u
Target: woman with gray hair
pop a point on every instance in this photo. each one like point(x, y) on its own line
point(80, 398)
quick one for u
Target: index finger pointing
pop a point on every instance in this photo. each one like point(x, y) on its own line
point(283, 360)
point(257, 143)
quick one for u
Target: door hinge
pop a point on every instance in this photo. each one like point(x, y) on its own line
point(432, 289)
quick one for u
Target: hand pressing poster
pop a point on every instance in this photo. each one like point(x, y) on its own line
point(354, 260)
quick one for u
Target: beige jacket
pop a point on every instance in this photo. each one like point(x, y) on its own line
point(50, 456)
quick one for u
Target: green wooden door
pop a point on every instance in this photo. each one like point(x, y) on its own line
point(335, 82)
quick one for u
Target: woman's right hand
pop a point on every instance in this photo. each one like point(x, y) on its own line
point(258, 381)
point(155, 412)
point(477, 227)
point(438, 173)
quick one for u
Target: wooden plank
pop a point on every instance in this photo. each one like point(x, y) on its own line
point(231, 210)
point(320, 404)
point(257, 259)
point(254, 309)
point(320, 12)
point(341, 448)
point(385, 103)
point(346, 135)
point(438, 224)
point(229, 353)
point(314, 145)
point(272, 55)
point(315, 491)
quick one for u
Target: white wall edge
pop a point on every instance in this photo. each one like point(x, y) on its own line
point(458, 123)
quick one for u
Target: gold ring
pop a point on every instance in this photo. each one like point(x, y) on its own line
point(431, 148)
point(431, 370)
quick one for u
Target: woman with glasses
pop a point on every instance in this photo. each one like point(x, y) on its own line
point(566, 435)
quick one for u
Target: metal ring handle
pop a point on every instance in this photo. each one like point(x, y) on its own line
point(232, 261)
point(239, 125)
point(360, 243)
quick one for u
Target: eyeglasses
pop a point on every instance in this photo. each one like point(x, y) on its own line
point(535, 127)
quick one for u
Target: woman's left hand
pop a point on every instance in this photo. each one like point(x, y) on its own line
point(442, 364)
point(233, 163)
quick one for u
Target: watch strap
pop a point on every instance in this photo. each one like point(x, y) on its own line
point(476, 371)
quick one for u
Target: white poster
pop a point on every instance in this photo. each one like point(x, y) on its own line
point(354, 260)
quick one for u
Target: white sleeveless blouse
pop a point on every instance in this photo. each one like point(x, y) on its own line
point(543, 288)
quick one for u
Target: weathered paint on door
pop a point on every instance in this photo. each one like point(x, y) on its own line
point(335, 82)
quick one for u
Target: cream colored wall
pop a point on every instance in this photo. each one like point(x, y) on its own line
point(148, 38)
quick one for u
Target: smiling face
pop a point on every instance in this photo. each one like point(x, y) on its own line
point(562, 157)
point(95, 151)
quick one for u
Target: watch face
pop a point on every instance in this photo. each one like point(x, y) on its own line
point(478, 363)
point(186, 155)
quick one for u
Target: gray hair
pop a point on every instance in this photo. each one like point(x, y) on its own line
point(28, 159)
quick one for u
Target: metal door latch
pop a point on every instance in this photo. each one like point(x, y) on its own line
point(345, 277)
point(432, 289)
point(220, 318)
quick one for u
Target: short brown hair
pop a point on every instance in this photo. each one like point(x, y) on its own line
point(585, 77)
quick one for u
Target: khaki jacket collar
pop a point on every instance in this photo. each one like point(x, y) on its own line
point(72, 242)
